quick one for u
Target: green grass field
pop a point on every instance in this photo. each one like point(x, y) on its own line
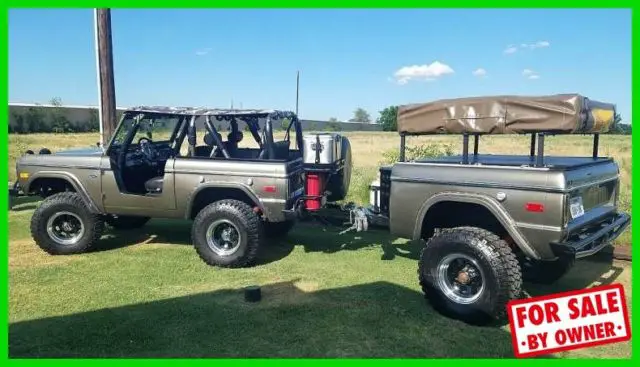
point(145, 293)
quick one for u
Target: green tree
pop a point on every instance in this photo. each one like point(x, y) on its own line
point(34, 121)
point(389, 118)
point(93, 124)
point(360, 115)
point(284, 124)
point(59, 121)
point(333, 119)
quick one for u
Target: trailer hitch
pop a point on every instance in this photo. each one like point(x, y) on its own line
point(358, 218)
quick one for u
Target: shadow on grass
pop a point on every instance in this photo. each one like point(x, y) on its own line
point(24, 203)
point(592, 271)
point(369, 320)
point(317, 238)
point(327, 239)
point(585, 273)
point(173, 232)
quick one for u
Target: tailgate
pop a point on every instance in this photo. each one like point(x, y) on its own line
point(592, 194)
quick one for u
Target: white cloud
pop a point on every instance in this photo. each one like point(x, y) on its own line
point(203, 51)
point(533, 46)
point(530, 74)
point(510, 49)
point(480, 72)
point(426, 72)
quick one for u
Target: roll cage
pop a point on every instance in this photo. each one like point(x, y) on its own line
point(187, 122)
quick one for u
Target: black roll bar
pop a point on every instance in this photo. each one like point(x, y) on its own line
point(536, 151)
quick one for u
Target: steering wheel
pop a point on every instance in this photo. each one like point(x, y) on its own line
point(147, 148)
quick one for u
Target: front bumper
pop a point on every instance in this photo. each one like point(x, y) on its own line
point(15, 190)
point(594, 238)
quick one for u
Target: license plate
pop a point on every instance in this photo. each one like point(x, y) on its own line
point(576, 207)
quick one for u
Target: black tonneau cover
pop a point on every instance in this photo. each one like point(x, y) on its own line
point(553, 162)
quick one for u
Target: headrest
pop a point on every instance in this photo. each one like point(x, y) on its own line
point(208, 139)
point(237, 137)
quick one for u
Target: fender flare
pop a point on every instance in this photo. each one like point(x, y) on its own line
point(226, 185)
point(71, 179)
point(486, 201)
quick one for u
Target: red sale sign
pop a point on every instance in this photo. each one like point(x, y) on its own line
point(569, 320)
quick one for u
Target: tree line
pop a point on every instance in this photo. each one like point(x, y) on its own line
point(51, 120)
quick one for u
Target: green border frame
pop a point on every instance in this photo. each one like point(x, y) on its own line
point(299, 4)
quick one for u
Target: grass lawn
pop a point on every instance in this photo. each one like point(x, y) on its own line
point(145, 293)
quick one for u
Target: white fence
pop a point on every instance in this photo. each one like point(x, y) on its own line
point(81, 114)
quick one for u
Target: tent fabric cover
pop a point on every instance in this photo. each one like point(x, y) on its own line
point(560, 114)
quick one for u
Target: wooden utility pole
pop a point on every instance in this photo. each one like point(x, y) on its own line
point(106, 86)
point(297, 90)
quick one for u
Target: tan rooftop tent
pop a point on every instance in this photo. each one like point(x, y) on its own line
point(560, 114)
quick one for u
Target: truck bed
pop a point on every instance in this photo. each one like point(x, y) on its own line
point(553, 162)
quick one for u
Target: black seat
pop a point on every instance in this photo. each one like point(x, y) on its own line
point(154, 185)
point(203, 151)
point(281, 149)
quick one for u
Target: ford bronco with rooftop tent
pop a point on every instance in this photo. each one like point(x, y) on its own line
point(487, 220)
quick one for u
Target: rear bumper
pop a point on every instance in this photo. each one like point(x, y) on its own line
point(590, 241)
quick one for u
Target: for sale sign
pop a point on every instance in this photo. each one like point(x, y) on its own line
point(570, 320)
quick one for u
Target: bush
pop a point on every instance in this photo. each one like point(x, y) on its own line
point(51, 120)
point(333, 126)
point(361, 178)
point(416, 152)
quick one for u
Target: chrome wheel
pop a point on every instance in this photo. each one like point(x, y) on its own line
point(223, 237)
point(65, 228)
point(460, 278)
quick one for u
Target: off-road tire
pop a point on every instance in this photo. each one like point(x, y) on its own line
point(249, 227)
point(278, 229)
point(546, 272)
point(93, 224)
point(125, 222)
point(502, 276)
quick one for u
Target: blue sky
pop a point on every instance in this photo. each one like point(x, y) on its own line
point(347, 58)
